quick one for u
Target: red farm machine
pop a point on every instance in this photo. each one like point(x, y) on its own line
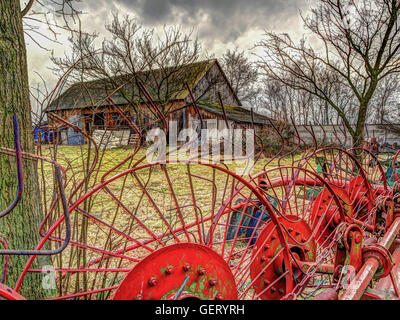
point(317, 222)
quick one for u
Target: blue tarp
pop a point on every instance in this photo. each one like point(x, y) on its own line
point(46, 135)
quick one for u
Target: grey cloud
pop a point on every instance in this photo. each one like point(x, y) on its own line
point(161, 9)
point(226, 20)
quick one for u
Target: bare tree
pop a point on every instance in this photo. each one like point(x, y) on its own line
point(242, 74)
point(284, 102)
point(133, 55)
point(387, 111)
point(360, 47)
point(20, 228)
point(385, 102)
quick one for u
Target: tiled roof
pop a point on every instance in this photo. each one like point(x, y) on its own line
point(234, 113)
point(94, 93)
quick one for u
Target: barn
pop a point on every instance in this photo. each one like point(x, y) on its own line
point(106, 104)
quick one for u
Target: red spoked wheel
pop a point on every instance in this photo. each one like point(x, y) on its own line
point(373, 170)
point(342, 169)
point(378, 213)
point(157, 213)
point(292, 193)
point(325, 216)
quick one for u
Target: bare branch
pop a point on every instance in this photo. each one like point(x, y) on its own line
point(27, 8)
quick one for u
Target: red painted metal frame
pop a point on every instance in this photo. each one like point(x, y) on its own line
point(358, 286)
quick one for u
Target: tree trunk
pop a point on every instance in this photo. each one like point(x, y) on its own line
point(358, 136)
point(20, 227)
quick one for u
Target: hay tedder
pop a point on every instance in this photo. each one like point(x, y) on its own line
point(324, 225)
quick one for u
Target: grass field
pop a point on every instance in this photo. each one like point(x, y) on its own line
point(77, 160)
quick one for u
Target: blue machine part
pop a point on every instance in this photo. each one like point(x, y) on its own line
point(390, 177)
point(238, 220)
point(249, 222)
point(254, 225)
point(46, 135)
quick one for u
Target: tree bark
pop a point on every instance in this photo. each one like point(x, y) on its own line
point(20, 227)
point(358, 136)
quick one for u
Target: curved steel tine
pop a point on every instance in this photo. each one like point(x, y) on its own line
point(152, 104)
point(57, 223)
point(257, 157)
point(336, 137)
point(317, 146)
point(323, 140)
point(314, 144)
point(196, 108)
point(95, 159)
point(256, 136)
point(223, 109)
point(18, 152)
point(300, 141)
point(344, 131)
point(282, 147)
point(291, 152)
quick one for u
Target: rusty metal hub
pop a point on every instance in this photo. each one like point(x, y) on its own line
point(383, 256)
point(179, 271)
point(268, 263)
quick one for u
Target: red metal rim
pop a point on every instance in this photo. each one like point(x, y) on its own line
point(9, 294)
point(268, 264)
point(323, 204)
point(162, 275)
point(383, 256)
point(377, 163)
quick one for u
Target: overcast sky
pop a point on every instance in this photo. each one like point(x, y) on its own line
point(219, 24)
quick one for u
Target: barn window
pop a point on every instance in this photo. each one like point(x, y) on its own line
point(114, 118)
point(99, 119)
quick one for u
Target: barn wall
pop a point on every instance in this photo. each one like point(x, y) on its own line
point(184, 116)
point(212, 83)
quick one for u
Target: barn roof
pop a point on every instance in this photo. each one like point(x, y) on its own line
point(95, 93)
point(234, 113)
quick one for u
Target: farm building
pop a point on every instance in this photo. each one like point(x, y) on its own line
point(106, 104)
